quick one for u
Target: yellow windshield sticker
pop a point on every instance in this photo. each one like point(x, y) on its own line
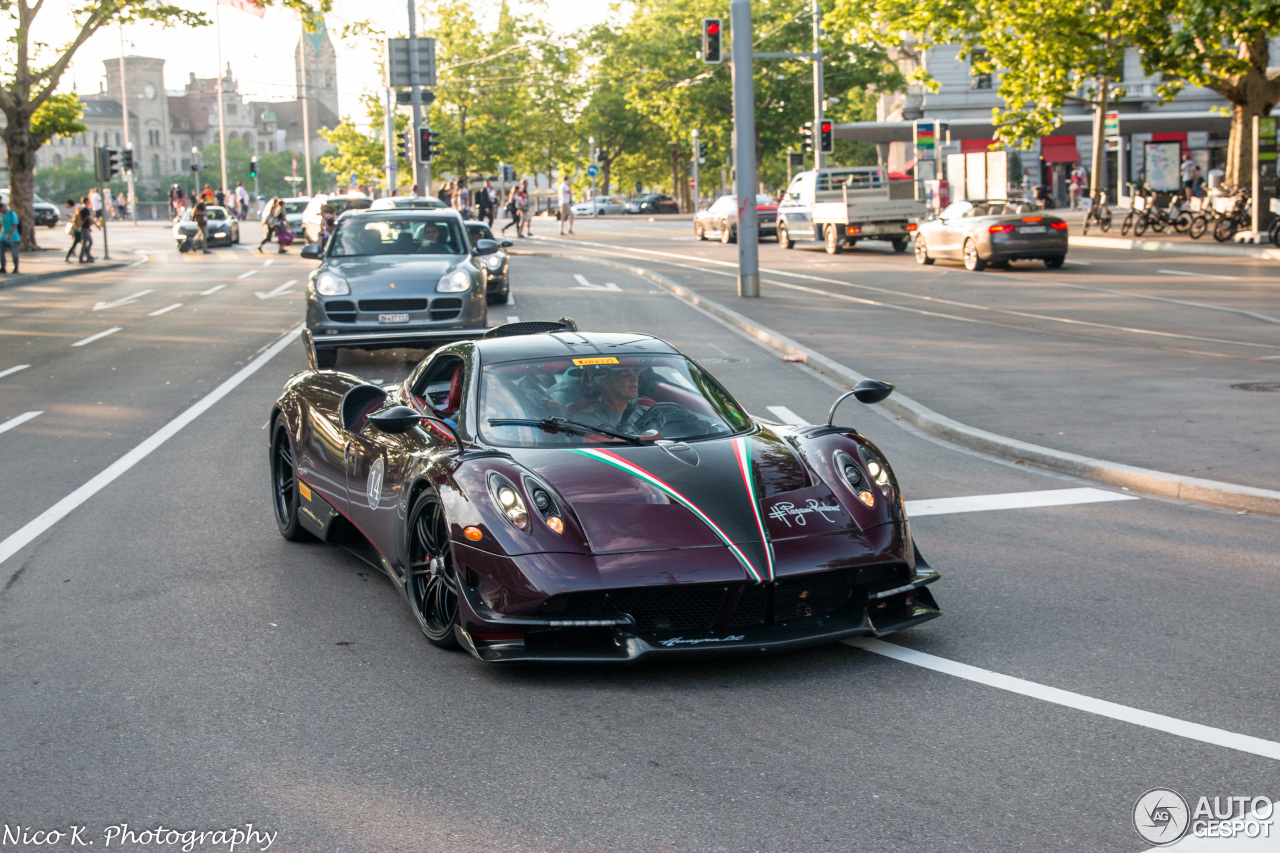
point(605, 360)
point(304, 491)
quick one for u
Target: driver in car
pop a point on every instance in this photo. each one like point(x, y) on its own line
point(619, 408)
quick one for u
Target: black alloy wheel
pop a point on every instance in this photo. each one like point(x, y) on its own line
point(284, 483)
point(972, 260)
point(433, 581)
point(922, 251)
point(784, 239)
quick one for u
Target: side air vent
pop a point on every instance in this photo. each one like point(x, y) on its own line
point(446, 309)
point(341, 311)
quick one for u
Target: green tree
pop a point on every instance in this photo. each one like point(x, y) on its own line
point(72, 180)
point(33, 71)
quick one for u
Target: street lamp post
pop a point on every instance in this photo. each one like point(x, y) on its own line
point(744, 130)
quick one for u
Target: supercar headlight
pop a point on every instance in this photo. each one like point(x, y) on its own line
point(493, 262)
point(329, 284)
point(454, 282)
point(512, 506)
point(880, 476)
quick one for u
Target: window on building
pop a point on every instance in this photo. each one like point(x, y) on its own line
point(95, 139)
point(117, 139)
point(155, 165)
point(979, 78)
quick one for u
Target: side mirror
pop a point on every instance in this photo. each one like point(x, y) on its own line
point(311, 251)
point(485, 247)
point(396, 419)
point(506, 244)
point(867, 391)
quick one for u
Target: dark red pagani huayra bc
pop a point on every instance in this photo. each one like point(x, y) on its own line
point(525, 518)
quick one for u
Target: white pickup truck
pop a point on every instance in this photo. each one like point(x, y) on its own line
point(840, 206)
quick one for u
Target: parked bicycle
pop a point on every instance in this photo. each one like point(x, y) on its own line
point(1099, 214)
point(1238, 217)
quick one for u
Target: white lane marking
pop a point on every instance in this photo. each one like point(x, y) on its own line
point(213, 289)
point(787, 416)
point(586, 285)
point(511, 299)
point(245, 275)
point(93, 338)
point(128, 300)
point(1200, 275)
point(1078, 263)
point(51, 516)
point(279, 291)
point(165, 310)
point(1013, 500)
point(4, 373)
point(19, 420)
point(1088, 704)
point(628, 252)
point(512, 318)
point(267, 262)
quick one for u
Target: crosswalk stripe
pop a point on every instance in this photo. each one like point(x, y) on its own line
point(1013, 500)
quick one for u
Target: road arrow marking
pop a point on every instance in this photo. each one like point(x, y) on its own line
point(4, 373)
point(245, 275)
point(279, 291)
point(586, 285)
point(128, 300)
point(93, 338)
point(18, 421)
point(165, 310)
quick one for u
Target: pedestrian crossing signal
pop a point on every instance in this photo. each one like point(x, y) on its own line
point(711, 33)
point(807, 130)
point(253, 167)
point(404, 145)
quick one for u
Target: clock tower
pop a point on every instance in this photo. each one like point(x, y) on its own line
point(148, 107)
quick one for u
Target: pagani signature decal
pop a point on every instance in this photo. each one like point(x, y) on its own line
point(681, 641)
point(623, 465)
point(786, 511)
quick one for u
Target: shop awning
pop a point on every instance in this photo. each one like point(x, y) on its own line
point(1059, 149)
point(969, 146)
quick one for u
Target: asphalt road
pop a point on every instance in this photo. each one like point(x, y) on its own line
point(1160, 360)
point(170, 660)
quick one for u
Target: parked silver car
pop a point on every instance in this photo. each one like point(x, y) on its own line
point(992, 231)
point(601, 205)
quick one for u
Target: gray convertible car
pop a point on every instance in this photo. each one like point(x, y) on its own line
point(992, 231)
point(395, 278)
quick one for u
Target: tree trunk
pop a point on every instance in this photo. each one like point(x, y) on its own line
point(675, 174)
point(606, 171)
point(1251, 94)
point(20, 148)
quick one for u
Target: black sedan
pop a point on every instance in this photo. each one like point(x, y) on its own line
point(497, 266)
point(394, 278)
point(721, 218)
point(992, 231)
point(653, 203)
point(222, 228)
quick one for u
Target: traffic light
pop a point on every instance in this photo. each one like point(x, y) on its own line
point(827, 138)
point(253, 166)
point(702, 152)
point(106, 164)
point(426, 144)
point(600, 155)
point(404, 144)
point(807, 131)
point(711, 32)
point(126, 160)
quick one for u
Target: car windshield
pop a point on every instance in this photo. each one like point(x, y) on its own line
point(397, 235)
point(295, 206)
point(479, 232)
point(211, 211)
point(341, 203)
point(648, 396)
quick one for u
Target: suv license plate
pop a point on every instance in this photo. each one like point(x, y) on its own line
point(1032, 229)
point(393, 318)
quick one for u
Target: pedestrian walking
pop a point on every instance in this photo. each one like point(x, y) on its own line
point(1188, 170)
point(1076, 186)
point(522, 205)
point(446, 193)
point(270, 220)
point(95, 205)
point(242, 200)
point(108, 203)
point(566, 205)
point(206, 195)
point(487, 202)
point(200, 215)
point(462, 199)
point(513, 211)
point(84, 222)
point(10, 235)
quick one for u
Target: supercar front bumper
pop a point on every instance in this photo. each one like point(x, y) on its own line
point(616, 635)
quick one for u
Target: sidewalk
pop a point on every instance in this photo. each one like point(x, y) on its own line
point(1166, 241)
point(49, 263)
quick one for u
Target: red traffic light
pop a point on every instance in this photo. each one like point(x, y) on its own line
point(713, 28)
point(826, 127)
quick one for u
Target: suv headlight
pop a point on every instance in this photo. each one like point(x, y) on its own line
point(329, 284)
point(493, 262)
point(454, 282)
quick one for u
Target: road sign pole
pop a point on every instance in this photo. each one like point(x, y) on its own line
point(415, 95)
point(744, 131)
point(697, 196)
point(390, 147)
point(818, 95)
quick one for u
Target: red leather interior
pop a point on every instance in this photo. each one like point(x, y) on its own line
point(455, 393)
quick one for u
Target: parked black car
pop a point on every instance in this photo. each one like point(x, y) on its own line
point(653, 203)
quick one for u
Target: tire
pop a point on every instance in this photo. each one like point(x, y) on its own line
point(284, 483)
point(973, 262)
point(832, 240)
point(236, 239)
point(1158, 223)
point(1199, 224)
point(1055, 262)
point(1275, 231)
point(1127, 225)
point(726, 233)
point(326, 359)
point(922, 251)
point(432, 582)
point(1183, 223)
point(1225, 229)
point(784, 239)
point(1104, 220)
point(1140, 226)
point(899, 245)
point(699, 231)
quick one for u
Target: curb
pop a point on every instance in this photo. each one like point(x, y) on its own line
point(1147, 480)
point(11, 280)
point(1242, 250)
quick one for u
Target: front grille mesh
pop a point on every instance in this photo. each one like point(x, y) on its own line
point(393, 305)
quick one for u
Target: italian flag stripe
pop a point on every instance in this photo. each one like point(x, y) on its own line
point(742, 450)
point(622, 464)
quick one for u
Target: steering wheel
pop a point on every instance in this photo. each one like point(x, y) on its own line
point(661, 415)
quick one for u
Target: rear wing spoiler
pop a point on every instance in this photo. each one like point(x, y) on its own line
point(429, 339)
